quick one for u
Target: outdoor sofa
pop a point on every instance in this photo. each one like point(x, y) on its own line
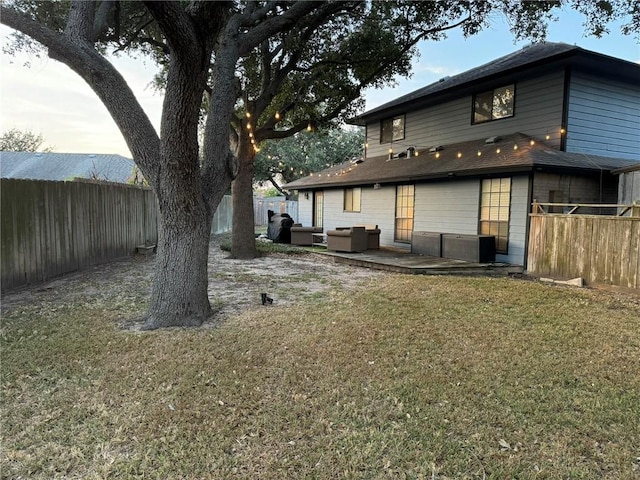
point(347, 239)
point(373, 236)
point(303, 235)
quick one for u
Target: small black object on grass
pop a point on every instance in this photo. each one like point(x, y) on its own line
point(266, 299)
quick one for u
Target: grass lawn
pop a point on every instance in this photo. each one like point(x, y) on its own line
point(412, 377)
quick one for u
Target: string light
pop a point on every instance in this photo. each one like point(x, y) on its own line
point(497, 150)
point(515, 147)
point(532, 142)
point(248, 115)
point(562, 131)
point(479, 153)
point(309, 127)
point(437, 154)
point(459, 155)
point(248, 126)
point(277, 115)
point(548, 137)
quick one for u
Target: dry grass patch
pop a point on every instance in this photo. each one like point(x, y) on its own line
point(413, 377)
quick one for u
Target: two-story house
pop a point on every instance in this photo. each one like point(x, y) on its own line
point(470, 153)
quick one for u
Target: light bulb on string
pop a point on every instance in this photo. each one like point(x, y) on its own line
point(277, 115)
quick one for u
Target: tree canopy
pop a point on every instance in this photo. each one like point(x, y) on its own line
point(16, 140)
point(285, 160)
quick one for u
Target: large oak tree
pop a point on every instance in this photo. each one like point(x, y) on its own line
point(262, 69)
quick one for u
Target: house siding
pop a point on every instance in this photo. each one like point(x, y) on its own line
point(454, 207)
point(444, 207)
point(448, 207)
point(603, 117)
point(518, 222)
point(538, 112)
point(305, 209)
point(377, 207)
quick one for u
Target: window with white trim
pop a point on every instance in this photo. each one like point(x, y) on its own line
point(495, 204)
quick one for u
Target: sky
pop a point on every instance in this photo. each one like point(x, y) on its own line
point(49, 99)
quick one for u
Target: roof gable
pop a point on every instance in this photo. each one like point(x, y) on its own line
point(542, 57)
point(66, 166)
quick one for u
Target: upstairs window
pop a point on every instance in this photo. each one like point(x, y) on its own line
point(392, 129)
point(494, 104)
point(352, 199)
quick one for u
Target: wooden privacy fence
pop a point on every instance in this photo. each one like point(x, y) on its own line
point(261, 206)
point(601, 249)
point(51, 228)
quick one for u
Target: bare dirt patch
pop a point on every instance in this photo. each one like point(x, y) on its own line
point(234, 285)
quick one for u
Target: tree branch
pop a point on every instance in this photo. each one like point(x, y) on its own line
point(79, 26)
point(101, 17)
point(176, 24)
point(272, 25)
point(105, 81)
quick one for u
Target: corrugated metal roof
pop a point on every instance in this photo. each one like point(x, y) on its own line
point(66, 166)
point(511, 154)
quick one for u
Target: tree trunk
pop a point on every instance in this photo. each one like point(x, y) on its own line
point(179, 294)
point(243, 242)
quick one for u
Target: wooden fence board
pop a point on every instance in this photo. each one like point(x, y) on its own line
point(599, 248)
point(52, 228)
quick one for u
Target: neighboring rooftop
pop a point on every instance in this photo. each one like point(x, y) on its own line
point(507, 154)
point(539, 56)
point(66, 166)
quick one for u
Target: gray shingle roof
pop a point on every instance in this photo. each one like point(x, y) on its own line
point(65, 166)
point(461, 160)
